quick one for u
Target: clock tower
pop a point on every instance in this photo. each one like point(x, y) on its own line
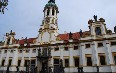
point(49, 29)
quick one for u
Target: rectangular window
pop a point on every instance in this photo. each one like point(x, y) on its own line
point(56, 61)
point(3, 61)
point(19, 62)
point(33, 62)
point(75, 47)
point(20, 51)
point(10, 62)
point(89, 61)
point(34, 50)
point(26, 63)
point(100, 44)
point(113, 43)
point(56, 49)
point(5, 51)
point(66, 62)
point(27, 51)
point(87, 45)
point(102, 60)
point(76, 60)
point(11, 51)
point(115, 60)
point(66, 48)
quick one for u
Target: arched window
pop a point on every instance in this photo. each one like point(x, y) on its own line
point(53, 11)
point(48, 11)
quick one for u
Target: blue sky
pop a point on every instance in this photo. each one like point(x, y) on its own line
point(25, 16)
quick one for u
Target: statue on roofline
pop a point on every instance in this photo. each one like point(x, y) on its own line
point(53, 1)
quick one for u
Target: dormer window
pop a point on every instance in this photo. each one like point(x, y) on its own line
point(98, 31)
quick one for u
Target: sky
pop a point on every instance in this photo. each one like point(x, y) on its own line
point(24, 17)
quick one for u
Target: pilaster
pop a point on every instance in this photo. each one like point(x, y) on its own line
point(82, 55)
point(95, 54)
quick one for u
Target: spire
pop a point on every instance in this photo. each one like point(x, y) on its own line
point(53, 1)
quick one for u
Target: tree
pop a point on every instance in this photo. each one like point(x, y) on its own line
point(3, 4)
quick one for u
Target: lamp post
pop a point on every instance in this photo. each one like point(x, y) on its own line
point(97, 67)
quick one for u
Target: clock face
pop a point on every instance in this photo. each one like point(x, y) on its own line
point(47, 20)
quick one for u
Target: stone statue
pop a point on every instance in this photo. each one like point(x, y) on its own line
point(53, 1)
point(95, 17)
point(115, 29)
point(81, 33)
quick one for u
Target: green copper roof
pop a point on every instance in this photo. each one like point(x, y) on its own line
point(50, 4)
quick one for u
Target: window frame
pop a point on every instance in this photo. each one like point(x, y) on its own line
point(66, 64)
point(75, 62)
point(66, 48)
point(86, 45)
point(76, 47)
point(102, 60)
point(98, 44)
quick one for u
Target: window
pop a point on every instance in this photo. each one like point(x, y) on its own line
point(102, 60)
point(66, 62)
point(100, 44)
point(89, 61)
point(32, 62)
point(76, 60)
point(20, 51)
point(56, 49)
point(75, 47)
point(113, 43)
point(34, 50)
point(3, 61)
point(19, 62)
point(98, 30)
point(27, 51)
point(10, 61)
point(115, 59)
point(87, 45)
point(48, 11)
point(56, 61)
point(53, 11)
point(26, 63)
point(66, 48)
point(5, 51)
point(11, 51)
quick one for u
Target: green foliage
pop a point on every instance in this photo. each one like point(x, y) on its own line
point(3, 4)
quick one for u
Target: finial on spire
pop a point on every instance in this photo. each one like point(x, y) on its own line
point(53, 1)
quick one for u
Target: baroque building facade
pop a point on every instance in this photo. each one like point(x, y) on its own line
point(89, 51)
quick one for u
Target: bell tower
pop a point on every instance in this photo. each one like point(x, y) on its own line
point(49, 29)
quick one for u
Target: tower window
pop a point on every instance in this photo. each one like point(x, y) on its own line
point(102, 60)
point(48, 11)
point(66, 62)
point(5, 51)
point(76, 60)
point(3, 61)
point(53, 11)
point(89, 61)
